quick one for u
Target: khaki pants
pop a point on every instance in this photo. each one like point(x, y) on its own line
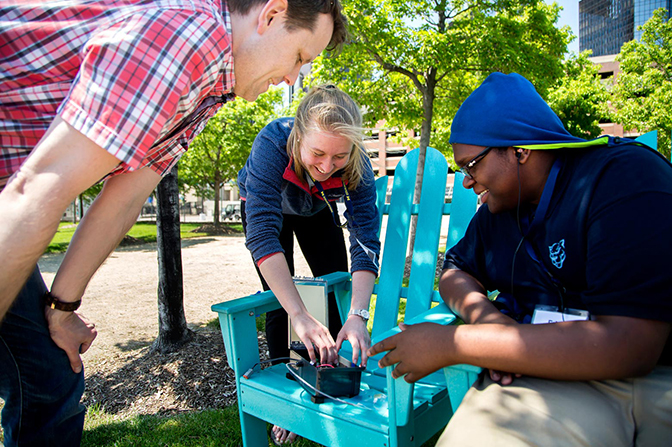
point(537, 412)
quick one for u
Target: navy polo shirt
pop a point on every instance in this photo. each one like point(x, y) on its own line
point(606, 239)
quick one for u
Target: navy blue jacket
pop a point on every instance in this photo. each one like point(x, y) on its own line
point(271, 188)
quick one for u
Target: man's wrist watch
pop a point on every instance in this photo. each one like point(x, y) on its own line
point(364, 314)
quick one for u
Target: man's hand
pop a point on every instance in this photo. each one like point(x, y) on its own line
point(354, 330)
point(314, 334)
point(71, 332)
point(419, 350)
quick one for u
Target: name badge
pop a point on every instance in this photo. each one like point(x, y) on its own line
point(549, 314)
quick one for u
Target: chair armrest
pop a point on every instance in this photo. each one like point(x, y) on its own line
point(237, 319)
point(398, 389)
point(259, 303)
point(458, 377)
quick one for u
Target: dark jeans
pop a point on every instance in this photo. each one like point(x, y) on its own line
point(40, 390)
point(323, 245)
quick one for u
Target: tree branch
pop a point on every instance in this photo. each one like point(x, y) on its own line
point(395, 68)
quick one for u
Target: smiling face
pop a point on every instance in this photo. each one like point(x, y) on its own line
point(273, 54)
point(495, 177)
point(324, 153)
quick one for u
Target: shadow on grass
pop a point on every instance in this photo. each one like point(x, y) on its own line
point(49, 262)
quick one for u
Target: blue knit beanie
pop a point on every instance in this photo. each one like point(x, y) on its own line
point(506, 110)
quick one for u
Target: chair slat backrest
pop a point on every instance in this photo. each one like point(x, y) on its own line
point(428, 232)
point(650, 139)
point(400, 210)
point(381, 195)
point(462, 209)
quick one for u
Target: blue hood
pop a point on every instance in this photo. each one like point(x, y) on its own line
point(506, 110)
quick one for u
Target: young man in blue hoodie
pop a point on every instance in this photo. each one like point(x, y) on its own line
point(573, 234)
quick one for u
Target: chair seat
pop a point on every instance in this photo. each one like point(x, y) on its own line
point(263, 387)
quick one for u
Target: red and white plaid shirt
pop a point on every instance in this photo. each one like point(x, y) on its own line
point(138, 78)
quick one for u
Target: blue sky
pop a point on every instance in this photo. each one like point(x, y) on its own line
point(569, 16)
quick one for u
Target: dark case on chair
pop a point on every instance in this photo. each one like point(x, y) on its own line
point(337, 381)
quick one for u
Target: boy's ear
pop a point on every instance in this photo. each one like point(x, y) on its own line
point(270, 13)
point(522, 155)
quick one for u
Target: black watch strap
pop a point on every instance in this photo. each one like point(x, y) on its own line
point(53, 302)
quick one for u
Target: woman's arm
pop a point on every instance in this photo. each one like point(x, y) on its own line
point(354, 330)
point(311, 332)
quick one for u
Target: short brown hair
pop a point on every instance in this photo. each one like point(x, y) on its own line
point(302, 14)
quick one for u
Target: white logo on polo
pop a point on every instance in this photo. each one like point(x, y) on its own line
point(557, 253)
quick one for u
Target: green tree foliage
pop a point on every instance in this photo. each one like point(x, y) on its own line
point(413, 62)
point(581, 98)
point(643, 91)
point(220, 151)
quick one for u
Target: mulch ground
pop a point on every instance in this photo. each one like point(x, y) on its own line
point(197, 377)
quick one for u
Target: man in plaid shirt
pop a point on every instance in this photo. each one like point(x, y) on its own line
point(93, 89)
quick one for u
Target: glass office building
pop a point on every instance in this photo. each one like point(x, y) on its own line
point(644, 10)
point(605, 25)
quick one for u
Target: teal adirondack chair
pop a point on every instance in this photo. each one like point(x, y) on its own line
point(650, 139)
point(396, 413)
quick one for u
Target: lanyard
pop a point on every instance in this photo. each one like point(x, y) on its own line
point(334, 212)
point(539, 217)
point(545, 200)
point(350, 209)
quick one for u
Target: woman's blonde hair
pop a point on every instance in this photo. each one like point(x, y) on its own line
point(327, 109)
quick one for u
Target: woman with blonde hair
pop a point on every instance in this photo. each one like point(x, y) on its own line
point(297, 170)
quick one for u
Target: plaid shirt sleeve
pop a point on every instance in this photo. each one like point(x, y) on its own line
point(140, 78)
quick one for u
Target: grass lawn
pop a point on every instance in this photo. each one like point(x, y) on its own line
point(206, 428)
point(193, 429)
point(145, 231)
point(203, 428)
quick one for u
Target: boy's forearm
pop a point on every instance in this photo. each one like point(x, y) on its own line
point(468, 298)
point(607, 348)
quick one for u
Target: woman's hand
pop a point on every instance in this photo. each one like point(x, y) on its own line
point(314, 334)
point(354, 330)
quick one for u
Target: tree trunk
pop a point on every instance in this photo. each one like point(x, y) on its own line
point(218, 211)
point(81, 206)
point(173, 331)
point(425, 133)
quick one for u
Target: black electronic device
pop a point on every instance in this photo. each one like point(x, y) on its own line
point(341, 380)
